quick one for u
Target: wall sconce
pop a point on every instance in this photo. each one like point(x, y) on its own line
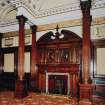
point(57, 35)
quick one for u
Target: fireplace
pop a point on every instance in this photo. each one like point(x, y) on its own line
point(60, 86)
point(57, 83)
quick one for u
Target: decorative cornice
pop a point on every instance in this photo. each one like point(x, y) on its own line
point(7, 22)
point(64, 24)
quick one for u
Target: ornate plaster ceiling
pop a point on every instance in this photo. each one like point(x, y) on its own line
point(7, 11)
point(37, 9)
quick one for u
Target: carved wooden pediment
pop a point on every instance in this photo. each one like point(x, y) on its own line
point(65, 36)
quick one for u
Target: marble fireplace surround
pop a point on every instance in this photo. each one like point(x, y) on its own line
point(51, 73)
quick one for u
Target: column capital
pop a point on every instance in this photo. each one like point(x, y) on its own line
point(33, 28)
point(22, 19)
point(85, 5)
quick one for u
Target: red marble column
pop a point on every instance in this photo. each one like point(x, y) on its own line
point(86, 86)
point(20, 87)
point(33, 69)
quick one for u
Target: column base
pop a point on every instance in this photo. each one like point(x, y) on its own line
point(20, 89)
point(86, 93)
point(85, 102)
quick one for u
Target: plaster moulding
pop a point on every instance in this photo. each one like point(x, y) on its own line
point(64, 24)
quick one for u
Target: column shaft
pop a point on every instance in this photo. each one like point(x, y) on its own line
point(33, 69)
point(86, 45)
point(20, 86)
point(86, 86)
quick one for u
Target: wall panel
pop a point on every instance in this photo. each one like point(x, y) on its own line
point(9, 62)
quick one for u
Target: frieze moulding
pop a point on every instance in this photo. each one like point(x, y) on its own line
point(15, 33)
point(7, 22)
point(98, 21)
point(64, 24)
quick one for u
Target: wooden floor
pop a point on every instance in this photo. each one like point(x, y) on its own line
point(98, 100)
point(7, 98)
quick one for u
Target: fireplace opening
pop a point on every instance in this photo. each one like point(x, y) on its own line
point(59, 87)
point(58, 84)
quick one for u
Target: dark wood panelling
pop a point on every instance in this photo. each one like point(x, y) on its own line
point(8, 81)
point(8, 78)
point(99, 80)
point(99, 90)
point(7, 51)
point(97, 44)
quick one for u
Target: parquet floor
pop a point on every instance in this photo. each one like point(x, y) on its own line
point(7, 98)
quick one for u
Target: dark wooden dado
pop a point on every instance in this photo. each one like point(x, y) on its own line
point(100, 90)
point(8, 81)
point(99, 93)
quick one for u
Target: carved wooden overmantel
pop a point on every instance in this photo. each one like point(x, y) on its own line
point(59, 53)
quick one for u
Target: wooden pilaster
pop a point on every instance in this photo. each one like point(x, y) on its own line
point(20, 87)
point(86, 87)
point(33, 69)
